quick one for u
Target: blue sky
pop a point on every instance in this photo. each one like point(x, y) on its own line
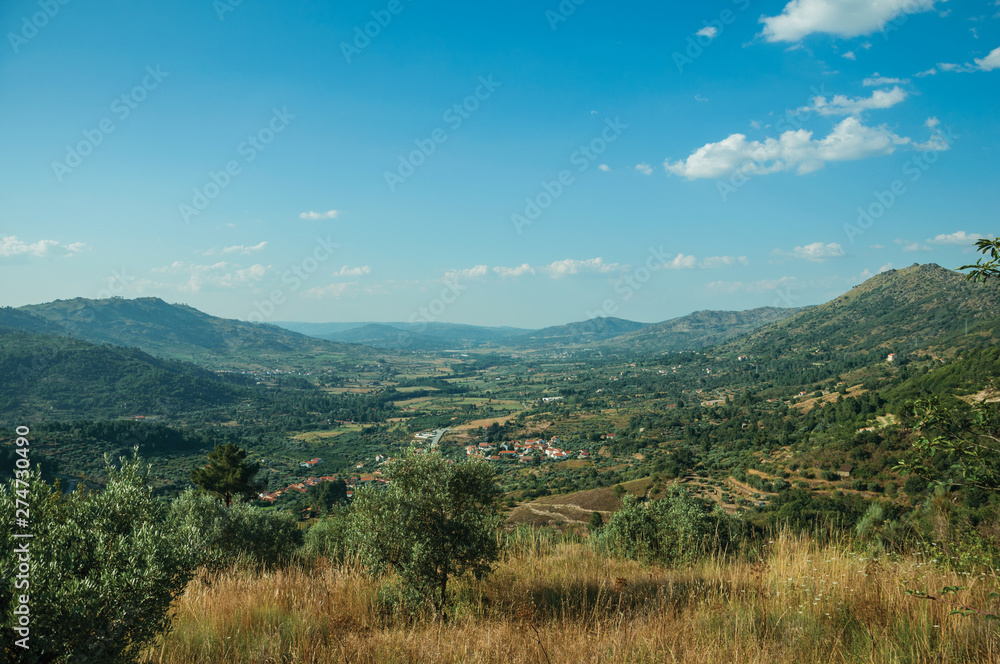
point(519, 163)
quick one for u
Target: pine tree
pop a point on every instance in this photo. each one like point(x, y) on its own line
point(228, 474)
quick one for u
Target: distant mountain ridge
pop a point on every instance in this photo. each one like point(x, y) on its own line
point(697, 330)
point(166, 330)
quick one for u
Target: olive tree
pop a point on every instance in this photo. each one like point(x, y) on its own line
point(674, 529)
point(103, 569)
point(433, 521)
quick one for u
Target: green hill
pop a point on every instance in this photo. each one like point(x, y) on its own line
point(583, 332)
point(55, 377)
point(171, 330)
point(697, 330)
point(919, 307)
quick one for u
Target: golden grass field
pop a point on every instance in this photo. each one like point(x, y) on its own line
point(555, 600)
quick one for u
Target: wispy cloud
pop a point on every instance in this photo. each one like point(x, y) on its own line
point(477, 272)
point(958, 238)
point(518, 271)
point(331, 291)
point(218, 275)
point(908, 246)
point(987, 63)
point(353, 271)
point(11, 245)
point(644, 168)
point(844, 105)
point(329, 214)
point(817, 252)
point(571, 266)
point(875, 80)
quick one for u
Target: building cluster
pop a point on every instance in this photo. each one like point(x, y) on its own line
point(304, 485)
point(524, 452)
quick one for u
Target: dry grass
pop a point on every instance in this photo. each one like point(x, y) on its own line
point(558, 601)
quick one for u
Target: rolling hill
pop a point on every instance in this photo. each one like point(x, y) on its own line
point(919, 307)
point(697, 330)
point(57, 377)
point(169, 330)
point(583, 332)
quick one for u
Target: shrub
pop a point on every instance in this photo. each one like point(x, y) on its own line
point(104, 570)
point(331, 537)
point(675, 529)
point(220, 536)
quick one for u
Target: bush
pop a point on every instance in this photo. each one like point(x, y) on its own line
point(675, 529)
point(331, 537)
point(434, 521)
point(221, 536)
point(104, 570)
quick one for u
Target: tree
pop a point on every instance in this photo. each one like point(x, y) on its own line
point(596, 522)
point(228, 474)
point(103, 569)
point(435, 520)
point(983, 270)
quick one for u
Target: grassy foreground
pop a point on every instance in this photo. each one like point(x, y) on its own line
point(562, 601)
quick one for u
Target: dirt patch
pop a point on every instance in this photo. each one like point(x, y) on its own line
point(475, 424)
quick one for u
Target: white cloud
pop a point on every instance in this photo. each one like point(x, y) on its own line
point(844, 105)
point(353, 271)
point(724, 261)
point(907, 246)
point(570, 266)
point(10, 245)
point(988, 63)
point(476, 272)
point(700, 98)
point(681, 262)
point(243, 249)
point(848, 141)
point(644, 168)
point(958, 237)
point(518, 271)
point(329, 214)
point(604, 167)
point(849, 55)
point(234, 249)
point(218, 275)
point(937, 142)
point(991, 61)
point(876, 246)
point(876, 80)
point(816, 252)
point(334, 290)
point(843, 18)
point(708, 31)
